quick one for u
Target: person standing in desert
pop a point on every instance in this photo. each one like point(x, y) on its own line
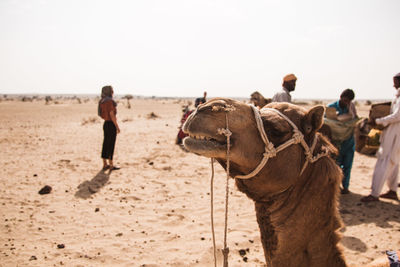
point(387, 164)
point(346, 111)
point(201, 100)
point(289, 84)
point(107, 110)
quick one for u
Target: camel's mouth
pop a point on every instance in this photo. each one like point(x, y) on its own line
point(206, 145)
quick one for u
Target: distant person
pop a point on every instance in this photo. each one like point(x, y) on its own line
point(107, 110)
point(289, 84)
point(201, 100)
point(346, 111)
point(185, 114)
point(387, 164)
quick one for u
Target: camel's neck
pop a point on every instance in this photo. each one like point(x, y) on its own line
point(298, 227)
point(297, 242)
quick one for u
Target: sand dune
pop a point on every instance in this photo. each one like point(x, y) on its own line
point(155, 211)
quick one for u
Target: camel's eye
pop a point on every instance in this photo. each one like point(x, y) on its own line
point(277, 132)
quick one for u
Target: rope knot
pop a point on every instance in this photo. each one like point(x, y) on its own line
point(309, 155)
point(270, 151)
point(225, 132)
point(297, 137)
point(225, 251)
point(324, 153)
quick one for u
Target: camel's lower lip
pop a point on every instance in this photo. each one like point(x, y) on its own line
point(207, 147)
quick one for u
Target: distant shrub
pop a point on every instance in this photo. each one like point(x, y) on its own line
point(317, 102)
point(48, 99)
point(90, 120)
point(127, 120)
point(301, 103)
point(128, 97)
point(152, 115)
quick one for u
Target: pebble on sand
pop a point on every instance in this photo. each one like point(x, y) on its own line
point(33, 258)
point(45, 190)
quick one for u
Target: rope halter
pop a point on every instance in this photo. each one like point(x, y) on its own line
point(270, 149)
point(270, 152)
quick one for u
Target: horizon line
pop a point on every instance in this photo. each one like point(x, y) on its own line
point(168, 97)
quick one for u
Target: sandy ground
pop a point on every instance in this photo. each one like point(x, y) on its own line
point(155, 211)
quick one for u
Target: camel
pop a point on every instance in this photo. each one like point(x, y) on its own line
point(296, 208)
point(259, 100)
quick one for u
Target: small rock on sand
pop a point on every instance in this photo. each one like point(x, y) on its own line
point(45, 190)
point(33, 258)
point(242, 252)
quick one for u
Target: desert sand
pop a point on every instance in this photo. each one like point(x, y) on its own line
point(155, 210)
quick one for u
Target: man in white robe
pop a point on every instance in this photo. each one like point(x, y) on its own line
point(289, 84)
point(387, 164)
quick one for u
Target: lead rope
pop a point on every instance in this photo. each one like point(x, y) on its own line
point(225, 250)
point(228, 134)
point(212, 211)
point(270, 151)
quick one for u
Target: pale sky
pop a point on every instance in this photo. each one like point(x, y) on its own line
point(184, 47)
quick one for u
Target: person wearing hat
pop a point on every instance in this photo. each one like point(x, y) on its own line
point(289, 84)
point(387, 164)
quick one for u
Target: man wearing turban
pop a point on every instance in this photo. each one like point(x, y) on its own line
point(289, 84)
point(387, 164)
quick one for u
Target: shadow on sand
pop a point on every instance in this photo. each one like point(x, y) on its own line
point(354, 212)
point(88, 188)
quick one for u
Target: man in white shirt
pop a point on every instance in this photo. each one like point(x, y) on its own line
point(387, 164)
point(289, 84)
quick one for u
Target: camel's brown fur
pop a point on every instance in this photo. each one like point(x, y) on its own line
point(297, 214)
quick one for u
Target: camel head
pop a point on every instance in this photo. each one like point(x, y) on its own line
point(247, 147)
point(259, 100)
point(205, 137)
point(295, 191)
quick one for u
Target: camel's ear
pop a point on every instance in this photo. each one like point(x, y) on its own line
point(314, 119)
